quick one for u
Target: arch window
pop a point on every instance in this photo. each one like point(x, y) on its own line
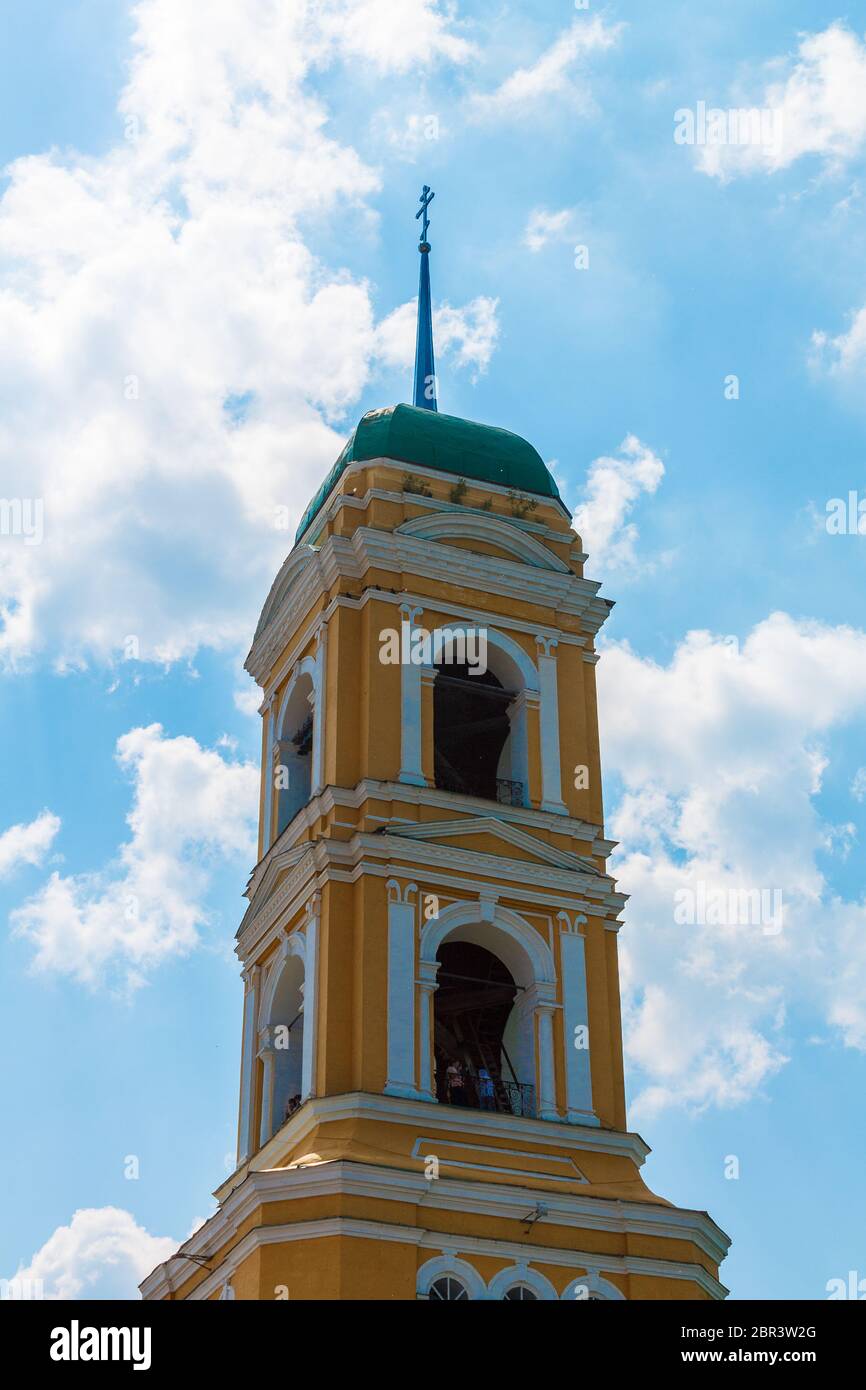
point(447, 1289)
point(520, 1293)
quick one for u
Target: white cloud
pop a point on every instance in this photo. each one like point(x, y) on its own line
point(613, 487)
point(191, 809)
point(27, 844)
point(721, 754)
point(393, 38)
point(543, 226)
point(820, 107)
point(858, 784)
point(145, 293)
point(846, 353)
point(558, 72)
point(467, 336)
point(102, 1254)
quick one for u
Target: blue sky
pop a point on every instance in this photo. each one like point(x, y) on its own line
point(193, 214)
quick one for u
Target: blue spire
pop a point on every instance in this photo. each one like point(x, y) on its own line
point(425, 370)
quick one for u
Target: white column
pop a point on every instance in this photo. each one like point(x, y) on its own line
point(576, 1024)
point(266, 1054)
point(401, 991)
point(268, 771)
point(246, 1138)
point(410, 704)
point(551, 770)
point(317, 770)
point(518, 743)
point(311, 999)
point(546, 1072)
point(427, 985)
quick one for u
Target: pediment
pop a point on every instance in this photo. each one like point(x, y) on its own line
point(489, 835)
point(267, 877)
point(289, 573)
point(489, 532)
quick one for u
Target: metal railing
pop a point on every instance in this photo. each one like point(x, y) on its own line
point(521, 1099)
point(506, 792)
point(509, 793)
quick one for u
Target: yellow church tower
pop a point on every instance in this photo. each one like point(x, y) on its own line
point(431, 1099)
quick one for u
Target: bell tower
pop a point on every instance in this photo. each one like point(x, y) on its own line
point(432, 1101)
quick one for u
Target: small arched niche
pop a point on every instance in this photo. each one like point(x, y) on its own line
point(293, 773)
point(286, 1040)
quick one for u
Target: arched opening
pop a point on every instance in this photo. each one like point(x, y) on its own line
point(293, 773)
point(520, 1293)
point(287, 1040)
point(482, 1035)
point(479, 735)
point(470, 730)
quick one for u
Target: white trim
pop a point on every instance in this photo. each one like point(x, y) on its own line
point(551, 763)
point(493, 530)
point(400, 1080)
point(534, 949)
point(444, 1266)
point(381, 550)
point(246, 1137)
point(520, 1274)
point(176, 1269)
point(578, 1070)
point(594, 1284)
point(411, 747)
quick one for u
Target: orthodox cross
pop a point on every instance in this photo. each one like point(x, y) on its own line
point(425, 200)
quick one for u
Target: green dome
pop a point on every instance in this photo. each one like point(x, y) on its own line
point(426, 439)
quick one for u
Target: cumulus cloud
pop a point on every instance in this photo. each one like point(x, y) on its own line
point(718, 806)
point(543, 226)
point(819, 108)
point(613, 487)
point(191, 809)
point(27, 844)
point(393, 38)
point(468, 335)
point(175, 363)
point(845, 353)
point(559, 71)
point(102, 1253)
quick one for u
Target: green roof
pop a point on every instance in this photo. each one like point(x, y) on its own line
point(426, 439)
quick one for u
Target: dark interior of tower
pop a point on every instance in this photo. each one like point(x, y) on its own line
point(470, 729)
point(472, 1004)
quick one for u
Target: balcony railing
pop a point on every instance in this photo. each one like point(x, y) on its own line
point(509, 793)
point(506, 792)
point(507, 1097)
point(521, 1099)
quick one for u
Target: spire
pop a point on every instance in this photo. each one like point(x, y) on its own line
point(425, 370)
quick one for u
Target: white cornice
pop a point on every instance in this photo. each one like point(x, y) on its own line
point(400, 853)
point(257, 1185)
point(301, 581)
point(158, 1285)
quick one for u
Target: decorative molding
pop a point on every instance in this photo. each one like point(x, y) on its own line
point(572, 1212)
point(493, 530)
